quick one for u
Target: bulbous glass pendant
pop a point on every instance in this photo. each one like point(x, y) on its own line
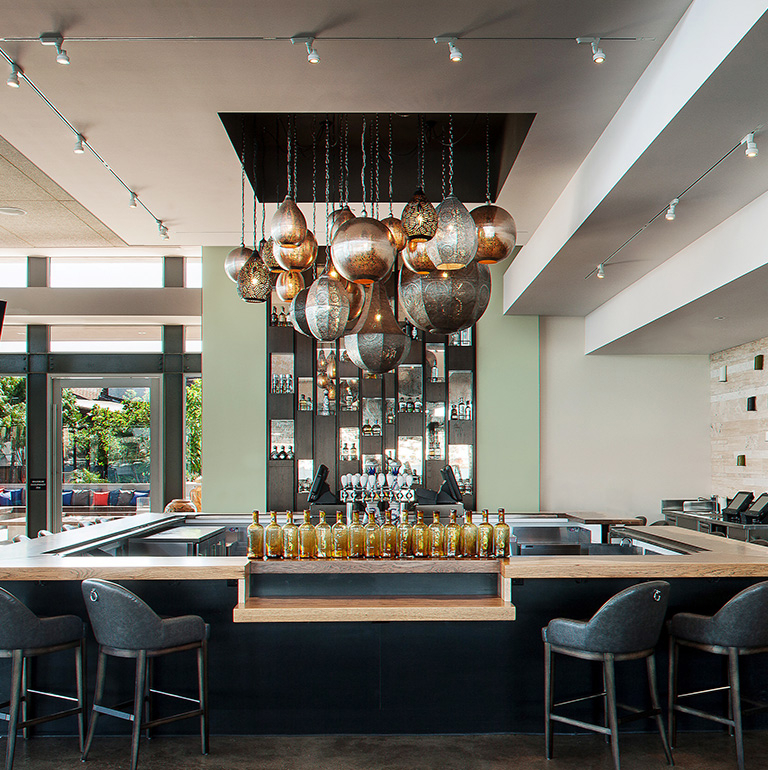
point(337, 218)
point(253, 280)
point(496, 233)
point(289, 227)
point(416, 256)
point(298, 313)
point(362, 250)
point(327, 308)
point(395, 227)
point(235, 260)
point(267, 252)
point(377, 344)
point(297, 257)
point(289, 284)
point(419, 217)
point(456, 236)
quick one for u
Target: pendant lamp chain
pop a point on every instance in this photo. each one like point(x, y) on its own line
point(487, 160)
point(450, 154)
point(293, 133)
point(314, 190)
point(327, 187)
point(420, 160)
point(364, 167)
point(389, 158)
point(376, 166)
point(289, 158)
point(263, 196)
point(346, 160)
point(443, 186)
point(242, 181)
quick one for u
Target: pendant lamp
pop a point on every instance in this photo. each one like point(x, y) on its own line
point(419, 217)
point(327, 308)
point(297, 258)
point(377, 344)
point(253, 280)
point(289, 284)
point(395, 227)
point(445, 301)
point(496, 233)
point(456, 236)
point(289, 228)
point(267, 251)
point(416, 256)
point(362, 250)
point(337, 218)
point(298, 313)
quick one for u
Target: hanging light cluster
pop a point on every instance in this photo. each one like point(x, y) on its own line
point(443, 284)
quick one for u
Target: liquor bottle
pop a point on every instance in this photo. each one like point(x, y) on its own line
point(462, 409)
point(289, 383)
point(353, 452)
point(376, 428)
point(302, 403)
point(417, 404)
point(409, 406)
point(468, 537)
point(435, 373)
point(501, 537)
point(273, 453)
point(282, 320)
point(404, 532)
point(282, 455)
point(401, 404)
point(326, 403)
point(366, 429)
point(345, 453)
point(388, 537)
point(306, 538)
point(454, 412)
point(289, 452)
point(273, 317)
point(372, 538)
point(356, 537)
point(255, 533)
point(290, 538)
point(339, 538)
point(420, 537)
point(468, 410)
point(452, 537)
point(436, 537)
point(273, 538)
point(485, 537)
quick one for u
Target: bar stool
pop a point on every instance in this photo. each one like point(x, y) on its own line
point(740, 627)
point(626, 627)
point(126, 627)
point(23, 635)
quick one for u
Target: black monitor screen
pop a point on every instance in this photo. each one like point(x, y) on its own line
point(760, 505)
point(740, 501)
point(450, 487)
point(318, 484)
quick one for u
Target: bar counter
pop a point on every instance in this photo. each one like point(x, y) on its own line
point(308, 654)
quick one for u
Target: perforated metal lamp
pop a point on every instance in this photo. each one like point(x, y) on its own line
point(456, 236)
point(363, 250)
point(235, 260)
point(419, 218)
point(289, 228)
point(253, 280)
point(327, 308)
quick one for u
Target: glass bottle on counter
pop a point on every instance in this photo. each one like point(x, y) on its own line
point(468, 537)
point(372, 538)
point(404, 532)
point(388, 537)
point(436, 537)
point(485, 538)
point(255, 534)
point(306, 538)
point(356, 537)
point(452, 537)
point(339, 538)
point(273, 538)
point(420, 537)
point(501, 537)
point(290, 538)
point(323, 546)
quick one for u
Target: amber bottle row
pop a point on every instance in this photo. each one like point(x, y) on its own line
point(390, 540)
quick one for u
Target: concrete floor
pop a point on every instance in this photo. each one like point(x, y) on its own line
point(697, 751)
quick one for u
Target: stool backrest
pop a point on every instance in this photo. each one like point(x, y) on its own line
point(18, 624)
point(743, 621)
point(631, 620)
point(118, 617)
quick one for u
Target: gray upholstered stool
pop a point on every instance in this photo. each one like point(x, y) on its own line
point(740, 627)
point(626, 627)
point(126, 627)
point(22, 636)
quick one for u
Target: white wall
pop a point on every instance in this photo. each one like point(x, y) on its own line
point(618, 433)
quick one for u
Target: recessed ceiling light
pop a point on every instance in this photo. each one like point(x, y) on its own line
point(718, 318)
point(12, 211)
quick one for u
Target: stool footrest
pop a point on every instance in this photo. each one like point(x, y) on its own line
point(704, 715)
point(580, 723)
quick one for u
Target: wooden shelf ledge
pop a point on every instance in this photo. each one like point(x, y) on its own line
point(358, 609)
point(374, 566)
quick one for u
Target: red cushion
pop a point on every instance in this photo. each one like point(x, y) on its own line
point(100, 498)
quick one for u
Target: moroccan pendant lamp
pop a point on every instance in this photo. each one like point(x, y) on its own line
point(289, 284)
point(253, 284)
point(496, 230)
point(298, 313)
point(299, 257)
point(419, 218)
point(327, 307)
point(445, 301)
point(416, 256)
point(377, 344)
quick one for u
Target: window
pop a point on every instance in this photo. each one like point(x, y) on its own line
point(103, 272)
point(193, 428)
point(13, 271)
point(106, 339)
point(193, 339)
point(13, 339)
point(13, 452)
point(193, 272)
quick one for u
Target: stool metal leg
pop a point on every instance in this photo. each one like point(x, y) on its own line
point(80, 676)
point(733, 680)
point(98, 697)
point(650, 663)
point(148, 696)
point(17, 664)
point(674, 651)
point(613, 722)
point(202, 681)
point(138, 706)
point(25, 696)
point(548, 697)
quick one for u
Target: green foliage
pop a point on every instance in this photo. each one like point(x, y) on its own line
point(84, 476)
point(13, 418)
point(194, 428)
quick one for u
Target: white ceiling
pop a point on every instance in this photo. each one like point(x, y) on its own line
point(150, 109)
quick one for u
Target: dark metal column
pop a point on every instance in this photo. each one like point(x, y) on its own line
point(173, 412)
point(38, 427)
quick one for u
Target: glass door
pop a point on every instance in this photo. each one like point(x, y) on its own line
point(106, 448)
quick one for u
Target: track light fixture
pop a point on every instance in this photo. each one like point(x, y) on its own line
point(13, 78)
point(600, 271)
point(598, 55)
point(79, 149)
point(163, 230)
point(134, 201)
point(670, 215)
point(454, 53)
point(750, 149)
point(55, 39)
point(313, 57)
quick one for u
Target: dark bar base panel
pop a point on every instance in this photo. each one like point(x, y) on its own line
point(375, 678)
